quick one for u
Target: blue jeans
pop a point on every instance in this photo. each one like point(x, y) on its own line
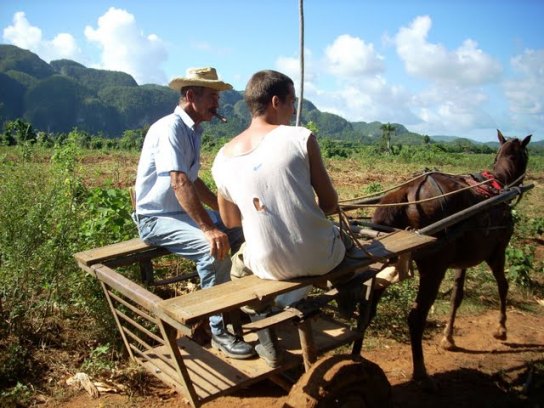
point(179, 234)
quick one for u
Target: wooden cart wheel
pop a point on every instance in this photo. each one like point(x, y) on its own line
point(341, 381)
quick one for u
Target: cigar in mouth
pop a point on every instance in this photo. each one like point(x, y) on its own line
point(221, 118)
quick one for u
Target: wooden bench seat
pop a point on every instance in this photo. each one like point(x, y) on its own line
point(194, 306)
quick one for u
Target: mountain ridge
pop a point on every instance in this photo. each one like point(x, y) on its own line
point(64, 94)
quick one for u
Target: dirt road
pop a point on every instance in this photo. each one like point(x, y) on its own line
point(484, 372)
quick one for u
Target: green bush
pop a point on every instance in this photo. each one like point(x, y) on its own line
point(47, 214)
point(520, 262)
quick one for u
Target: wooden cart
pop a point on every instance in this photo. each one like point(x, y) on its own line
point(158, 332)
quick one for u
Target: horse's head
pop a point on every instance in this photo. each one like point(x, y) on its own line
point(511, 160)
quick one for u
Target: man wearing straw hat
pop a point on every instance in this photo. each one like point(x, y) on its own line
point(171, 198)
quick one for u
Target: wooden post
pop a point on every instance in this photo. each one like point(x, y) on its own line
point(307, 343)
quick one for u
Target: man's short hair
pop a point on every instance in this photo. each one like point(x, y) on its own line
point(262, 86)
point(198, 90)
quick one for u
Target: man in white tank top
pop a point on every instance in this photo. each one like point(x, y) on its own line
point(271, 180)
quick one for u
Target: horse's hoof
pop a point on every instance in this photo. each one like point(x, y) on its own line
point(448, 344)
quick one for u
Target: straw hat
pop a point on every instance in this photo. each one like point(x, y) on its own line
point(206, 77)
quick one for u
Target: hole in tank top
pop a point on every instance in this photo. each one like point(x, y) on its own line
point(259, 206)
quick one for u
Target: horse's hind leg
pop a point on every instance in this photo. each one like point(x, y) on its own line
point(447, 342)
point(496, 264)
point(429, 282)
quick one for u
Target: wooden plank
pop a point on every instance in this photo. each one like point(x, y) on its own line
point(118, 250)
point(284, 316)
point(230, 295)
point(397, 243)
point(134, 292)
point(126, 287)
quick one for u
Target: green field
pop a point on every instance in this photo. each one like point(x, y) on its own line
point(58, 201)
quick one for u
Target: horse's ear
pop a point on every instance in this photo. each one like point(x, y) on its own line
point(502, 140)
point(526, 141)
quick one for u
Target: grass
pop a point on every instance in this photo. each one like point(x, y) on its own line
point(57, 316)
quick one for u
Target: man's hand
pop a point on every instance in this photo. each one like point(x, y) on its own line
point(219, 243)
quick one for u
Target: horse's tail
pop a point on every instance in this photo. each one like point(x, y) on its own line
point(394, 215)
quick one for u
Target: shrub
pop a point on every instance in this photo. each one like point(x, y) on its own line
point(47, 215)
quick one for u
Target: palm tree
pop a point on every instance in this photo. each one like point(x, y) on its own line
point(387, 129)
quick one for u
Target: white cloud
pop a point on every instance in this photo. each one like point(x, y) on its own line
point(22, 34)
point(451, 110)
point(350, 56)
point(65, 45)
point(359, 91)
point(290, 66)
point(453, 101)
point(457, 89)
point(125, 48)
point(459, 81)
point(525, 94)
point(466, 66)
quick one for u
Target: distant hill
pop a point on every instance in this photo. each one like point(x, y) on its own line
point(535, 146)
point(446, 139)
point(64, 94)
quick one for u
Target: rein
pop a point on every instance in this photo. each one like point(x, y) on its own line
point(389, 189)
point(419, 201)
point(489, 180)
point(345, 230)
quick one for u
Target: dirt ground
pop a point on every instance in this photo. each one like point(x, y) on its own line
point(484, 372)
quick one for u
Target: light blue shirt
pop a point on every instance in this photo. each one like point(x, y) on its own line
point(171, 144)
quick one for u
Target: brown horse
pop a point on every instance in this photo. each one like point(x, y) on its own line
point(482, 237)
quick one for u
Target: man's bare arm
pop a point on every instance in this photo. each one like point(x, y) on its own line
point(321, 182)
point(188, 196)
point(206, 195)
point(230, 213)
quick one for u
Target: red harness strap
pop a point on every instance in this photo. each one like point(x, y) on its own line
point(487, 190)
point(494, 183)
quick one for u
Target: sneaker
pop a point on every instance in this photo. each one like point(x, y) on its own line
point(232, 346)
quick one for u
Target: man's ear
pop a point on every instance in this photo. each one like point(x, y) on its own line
point(190, 95)
point(275, 101)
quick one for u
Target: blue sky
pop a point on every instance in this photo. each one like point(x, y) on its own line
point(439, 67)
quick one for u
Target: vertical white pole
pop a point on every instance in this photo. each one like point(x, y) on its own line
point(301, 96)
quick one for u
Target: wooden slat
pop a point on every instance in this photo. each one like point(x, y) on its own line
point(284, 316)
point(230, 295)
point(118, 250)
point(139, 340)
point(126, 287)
point(138, 326)
point(141, 312)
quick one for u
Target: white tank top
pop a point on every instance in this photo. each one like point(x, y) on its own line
point(287, 234)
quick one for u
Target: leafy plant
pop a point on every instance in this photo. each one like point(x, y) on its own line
point(18, 396)
point(373, 187)
point(108, 217)
point(521, 264)
point(99, 360)
point(393, 309)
